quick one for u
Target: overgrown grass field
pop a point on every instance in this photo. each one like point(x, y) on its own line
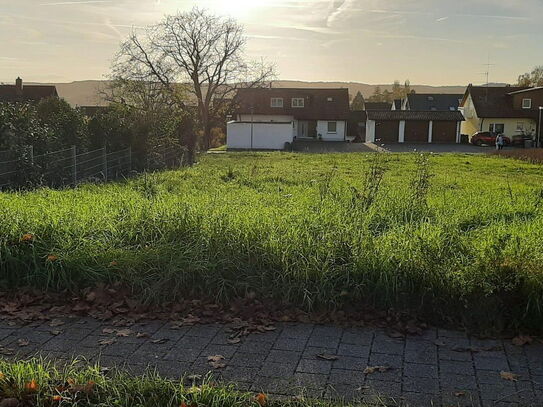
point(455, 237)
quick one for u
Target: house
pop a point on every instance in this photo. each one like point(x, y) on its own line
point(426, 102)
point(377, 106)
point(397, 104)
point(26, 93)
point(509, 110)
point(267, 118)
point(407, 126)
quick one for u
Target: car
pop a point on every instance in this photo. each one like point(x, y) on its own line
point(488, 138)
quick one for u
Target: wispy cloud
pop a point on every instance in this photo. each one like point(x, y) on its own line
point(497, 17)
point(71, 3)
point(442, 19)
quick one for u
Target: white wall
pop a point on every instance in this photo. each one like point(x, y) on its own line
point(265, 118)
point(322, 129)
point(370, 131)
point(266, 136)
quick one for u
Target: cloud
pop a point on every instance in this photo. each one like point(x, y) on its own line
point(442, 19)
point(71, 3)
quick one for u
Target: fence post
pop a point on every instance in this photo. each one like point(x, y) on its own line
point(104, 162)
point(129, 158)
point(74, 163)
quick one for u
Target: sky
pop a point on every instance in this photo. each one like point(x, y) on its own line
point(434, 42)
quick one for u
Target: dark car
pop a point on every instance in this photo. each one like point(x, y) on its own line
point(488, 138)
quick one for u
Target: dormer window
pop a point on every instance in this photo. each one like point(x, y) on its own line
point(330, 99)
point(298, 102)
point(430, 98)
point(276, 102)
point(526, 103)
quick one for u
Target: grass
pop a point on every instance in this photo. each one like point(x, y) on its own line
point(454, 237)
point(40, 383)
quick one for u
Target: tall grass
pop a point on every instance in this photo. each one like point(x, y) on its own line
point(454, 237)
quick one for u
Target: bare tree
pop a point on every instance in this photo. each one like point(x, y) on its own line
point(196, 52)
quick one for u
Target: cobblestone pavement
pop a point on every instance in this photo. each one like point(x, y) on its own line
point(438, 368)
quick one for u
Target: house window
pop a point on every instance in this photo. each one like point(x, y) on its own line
point(298, 102)
point(497, 128)
point(452, 108)
point(520, 126)
point(526, 103)
point(430, 98)
point(332, 127)
point(276, 102)
point(330, 99)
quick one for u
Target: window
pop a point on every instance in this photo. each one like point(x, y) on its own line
point(298, 102)
point(526, 103)
point(520, 126)
point(330, 99)
point(497, 128)
point(452, 108)
point(276, 102)
point(332, 127)
point(430, 98)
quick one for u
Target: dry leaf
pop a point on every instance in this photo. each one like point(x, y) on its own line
point(233, 341)
point(438, 342)
point(522, 340)
point(56, 322)
point(108, 331)
point(509, 376)
point(55, 332)
point(160, 341)
point(459, 394)
point(261, 399)
point(373, 369)
point(106, 342)
point(124, 332)
point(326, 356)
point(216, 361)
point(23, 342)
point(142, 335)
point(395, 334)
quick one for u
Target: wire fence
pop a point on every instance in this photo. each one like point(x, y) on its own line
point(67, 167)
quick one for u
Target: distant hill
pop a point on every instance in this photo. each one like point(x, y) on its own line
point(87, 93)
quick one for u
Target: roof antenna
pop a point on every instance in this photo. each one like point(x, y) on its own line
point(487, 73)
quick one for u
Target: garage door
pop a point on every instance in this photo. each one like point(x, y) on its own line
point(386, 132)
point(444, 132)
point(416, 131)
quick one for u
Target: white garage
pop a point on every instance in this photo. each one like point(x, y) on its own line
point(259, 135)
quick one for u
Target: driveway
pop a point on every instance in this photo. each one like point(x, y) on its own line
point(344, 147)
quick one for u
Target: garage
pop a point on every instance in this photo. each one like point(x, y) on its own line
point(444, 132)
point(416, 131)
point(387, 131)
point(413, 127)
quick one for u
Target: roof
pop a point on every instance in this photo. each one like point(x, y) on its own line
point(496, 101)
point(31, 93)
point(434, 101)
point(319, 104)
point(377, 106)
point(410, 115)
point(526, 90)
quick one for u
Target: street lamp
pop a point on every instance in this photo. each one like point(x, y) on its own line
point(539, 127)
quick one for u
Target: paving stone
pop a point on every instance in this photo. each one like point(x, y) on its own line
point(323, 341)
point(247, 359)
point(173, 335)
point(314, 366)
point(446, 333)
point(425, 354)
point(458, 381)
point(328, 331)
point(255, 347)
point(193, 342)
point(275, 369)
point(224, 350)
point(344, 392)
point(410, 399)
point(419, 370)
point(340, 376)
point(448, 354)
point(357, 336)
point(456, 367)
point(173, 370)
point(383, 388)
point(183, 355)
point(272, 385)
point(504, 392)
point(283, 356)
point(384, 344)
point(119, 349)
point(350, 363)
point(297, 331)
point(490, 377)
point(353, 350)
point(483, 363)
point(289, 344)
point(203, 331)
point(378, 359)
point(460, 398)
point(308, 380)
point(239, 374)
point(311, 352)
point(420, 385)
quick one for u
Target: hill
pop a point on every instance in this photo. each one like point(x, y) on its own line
point(87, 93)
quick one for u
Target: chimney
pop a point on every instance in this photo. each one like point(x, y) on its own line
point(19, 87)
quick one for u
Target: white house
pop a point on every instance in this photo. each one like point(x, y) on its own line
point(267, 118)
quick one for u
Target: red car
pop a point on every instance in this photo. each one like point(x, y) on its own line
point(488, 138)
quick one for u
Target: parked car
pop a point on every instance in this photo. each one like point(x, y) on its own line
point(488, 138)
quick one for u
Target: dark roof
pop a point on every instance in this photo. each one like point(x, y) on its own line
point(409, 115)
point(496, 101)
point(30, 93)
point(432, 102)
point(398, 104)
point(377, 106)
point(320, 104)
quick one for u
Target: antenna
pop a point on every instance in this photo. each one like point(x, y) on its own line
point(487, 73)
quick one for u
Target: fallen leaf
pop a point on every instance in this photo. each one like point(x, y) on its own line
point(459, 394)
point(31, 386)
point(56, 322)
point(124, 332)
point(395, 334)
point(106, 342)
point(509, 376)
point(438, 342)
point(160, 341)
point(23, 342)
point(51, 258)
point(55, 332)
point(261, 399)
point(216, 361)
point(142, 335)
point(373, 369)
point(233, 341)
point(522, 340)
point(27, 237)
point(326, 356)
